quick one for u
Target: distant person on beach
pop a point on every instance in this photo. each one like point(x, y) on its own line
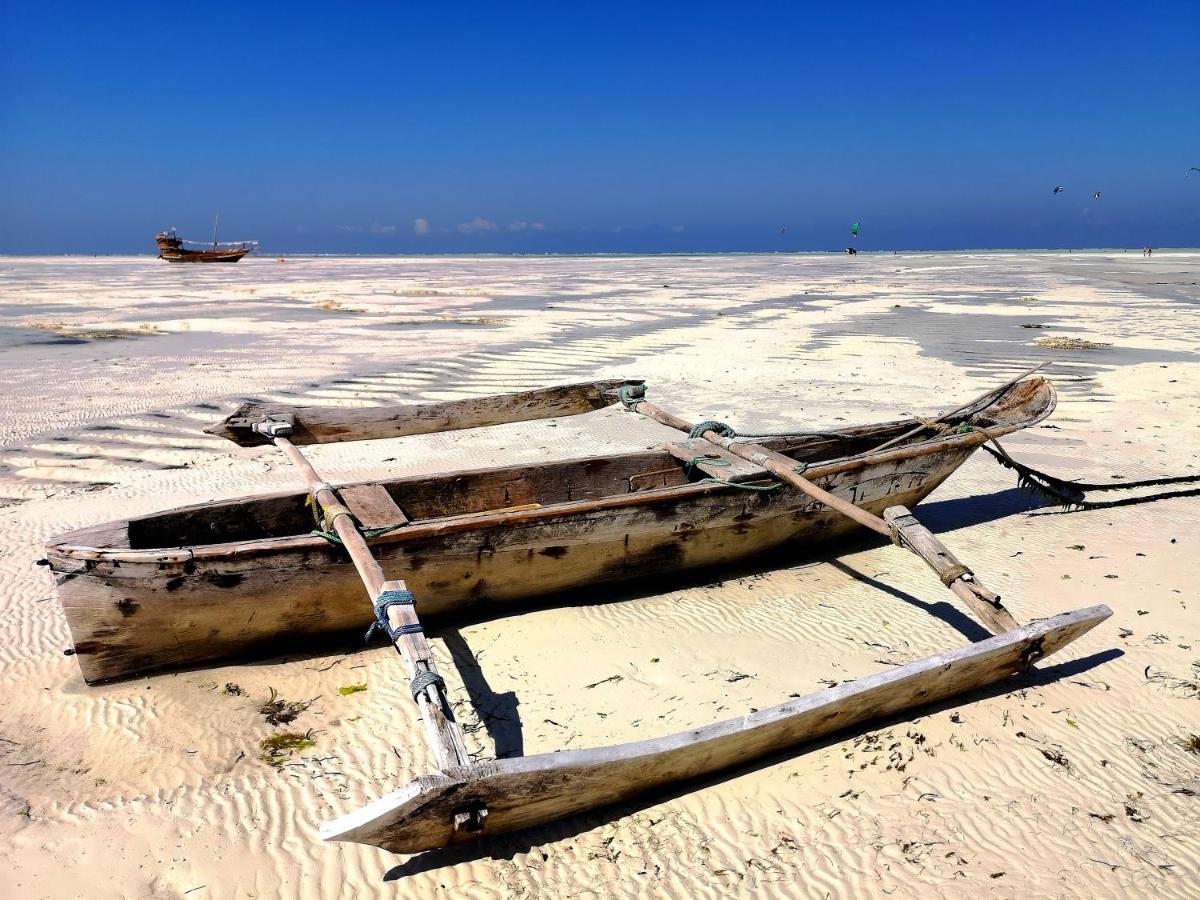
point(850, 251)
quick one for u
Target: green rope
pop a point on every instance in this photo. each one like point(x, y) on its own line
point(711, 425)
point(367, 533)
point(631, 395)
point(708, 460)
point(740, 486)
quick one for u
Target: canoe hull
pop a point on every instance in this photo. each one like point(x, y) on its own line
point(172, 610)
point(203, 256)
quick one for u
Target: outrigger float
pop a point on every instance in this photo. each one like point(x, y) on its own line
point(246, 577)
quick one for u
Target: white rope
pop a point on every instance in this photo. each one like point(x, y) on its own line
point(218, 244)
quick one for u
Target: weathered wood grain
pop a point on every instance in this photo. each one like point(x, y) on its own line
point(713, 461)
point(920, 540)
point(326, 425)
point(528, 791)
point(372, 506)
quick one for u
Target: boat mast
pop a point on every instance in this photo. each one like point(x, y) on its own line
point(216, 221)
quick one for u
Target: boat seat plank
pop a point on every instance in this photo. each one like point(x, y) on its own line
point(372, 506)
point(722, 464)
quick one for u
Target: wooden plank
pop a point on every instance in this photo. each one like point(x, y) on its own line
point(714, 461)
point(372, 505)
point(327, 425)
point(529, 791)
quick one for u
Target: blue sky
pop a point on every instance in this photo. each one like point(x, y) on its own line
point(627, 128)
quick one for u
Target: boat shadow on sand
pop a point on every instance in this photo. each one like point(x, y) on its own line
point(499, 713)
point(506, 846)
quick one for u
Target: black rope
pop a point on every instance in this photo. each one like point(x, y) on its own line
point(1071, 494)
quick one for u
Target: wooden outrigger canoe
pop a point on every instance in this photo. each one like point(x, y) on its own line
point(253, 576)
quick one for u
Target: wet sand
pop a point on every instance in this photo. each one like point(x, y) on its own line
point(1076, 782)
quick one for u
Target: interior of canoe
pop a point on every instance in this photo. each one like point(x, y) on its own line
point(421, 498)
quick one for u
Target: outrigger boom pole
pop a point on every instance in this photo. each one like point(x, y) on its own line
point(898, 524)
point(396, 615)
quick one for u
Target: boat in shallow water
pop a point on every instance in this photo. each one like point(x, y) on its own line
point(171, 248)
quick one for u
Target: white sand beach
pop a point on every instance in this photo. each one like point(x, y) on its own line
point(1078, 781)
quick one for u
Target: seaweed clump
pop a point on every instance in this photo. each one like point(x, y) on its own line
point(278, 711)
point(276, 748)
point(1069, 343)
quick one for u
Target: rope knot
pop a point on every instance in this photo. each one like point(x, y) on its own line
point(423, 680)
point(631, 395)
point(712, 425)
point(951, 574)
point(385, 601)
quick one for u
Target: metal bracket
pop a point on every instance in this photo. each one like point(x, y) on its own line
point(274, 426)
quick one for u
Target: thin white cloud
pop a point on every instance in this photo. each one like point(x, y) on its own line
point(421, 226)
point(522, 225)
point(477, 225)
point(350, 228)
point(376, 228)
point(678, 228)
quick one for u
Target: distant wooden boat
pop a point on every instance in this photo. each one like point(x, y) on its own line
point(250, 576)
point(171, 248)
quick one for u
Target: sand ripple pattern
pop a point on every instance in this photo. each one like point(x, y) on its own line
point(1072, 782)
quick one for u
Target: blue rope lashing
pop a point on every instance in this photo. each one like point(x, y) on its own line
point(631, 395)
point(385, 601)
point(423, 680)
point(712, 425)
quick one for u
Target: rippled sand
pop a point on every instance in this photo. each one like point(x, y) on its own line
point(1077, 783)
